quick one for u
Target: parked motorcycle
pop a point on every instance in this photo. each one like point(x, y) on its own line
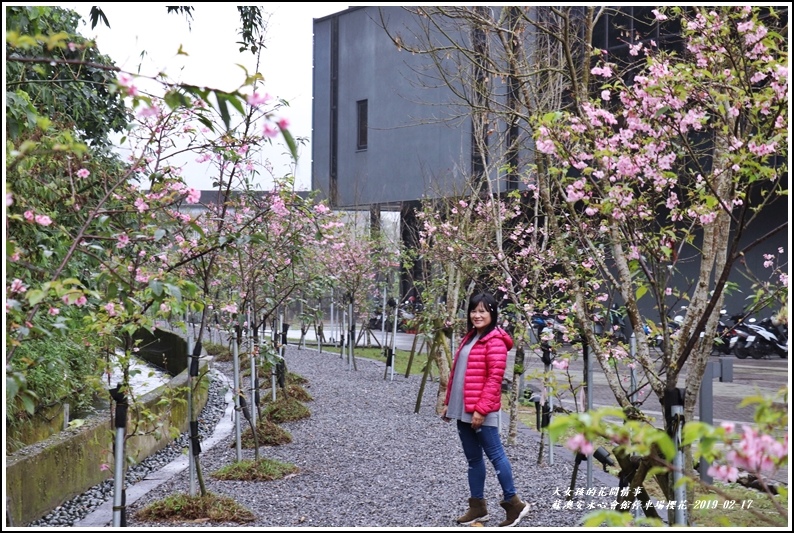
point(376, 320)
point(763, 339)
point(406, 313)
point(741, 337)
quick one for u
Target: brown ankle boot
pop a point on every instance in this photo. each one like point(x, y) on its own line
point(477, 512)
point(516, 510)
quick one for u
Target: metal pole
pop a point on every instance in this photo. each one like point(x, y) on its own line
point(550, 401)
point(118, 478)
point(633, 369)
point(253, 381)
point(393, 343)
point(676, 402)
point(342, 322)
point(589, 399)
point(333, 320)
point(119, 515)
point(191, 459)
point(284, 331)
point(237, 411)
point(274, 343)
point(351, 335)
point(383, 320)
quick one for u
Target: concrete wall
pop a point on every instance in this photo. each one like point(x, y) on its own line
point(415, 146)
point(44, 475)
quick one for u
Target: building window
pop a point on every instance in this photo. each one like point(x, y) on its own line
point(361, 138)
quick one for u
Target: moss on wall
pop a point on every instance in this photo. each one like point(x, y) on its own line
point(42, 476)
point(40, 426)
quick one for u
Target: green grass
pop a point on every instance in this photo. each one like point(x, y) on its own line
point(221, 352)
point(285, 410)
point(185, 508)
point(268, 433)
point(249, 470)
point(400, 359)
point(400, 356)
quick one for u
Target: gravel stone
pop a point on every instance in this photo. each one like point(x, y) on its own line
point(365, 459)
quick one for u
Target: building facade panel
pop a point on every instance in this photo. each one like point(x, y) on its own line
point(414, 148)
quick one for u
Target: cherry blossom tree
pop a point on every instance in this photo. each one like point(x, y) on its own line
point(670, 160)
point(685, 159)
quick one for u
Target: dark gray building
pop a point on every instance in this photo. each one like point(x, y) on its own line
point(388, 131)
point(385, 127)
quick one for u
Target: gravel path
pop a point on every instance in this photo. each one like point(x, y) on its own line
point(366, 459)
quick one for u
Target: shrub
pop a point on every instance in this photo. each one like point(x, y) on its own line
point(57, 370)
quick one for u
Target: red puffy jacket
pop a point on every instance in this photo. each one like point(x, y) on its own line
point(482, 386)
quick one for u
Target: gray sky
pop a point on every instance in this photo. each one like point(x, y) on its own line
point(213, 59)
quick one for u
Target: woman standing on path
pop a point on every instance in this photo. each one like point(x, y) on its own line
point(474, 399)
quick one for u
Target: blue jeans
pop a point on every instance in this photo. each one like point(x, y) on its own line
point(486, 439)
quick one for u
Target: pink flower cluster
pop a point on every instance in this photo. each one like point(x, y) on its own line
point(126, 81)
point(560, 364)
point(578, 443)
point(753, 452)
point(42, 220)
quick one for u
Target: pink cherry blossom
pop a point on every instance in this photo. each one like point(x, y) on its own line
point(560, 364)
point(193, 196)
point(43, 220)
point(269, 131)
point(124, 79)
point(83, 173)
point(53, 311)
point(578, 443)
point(110, 307)
point(605, 71)
point(28, 215)
point(141, 205)
point(546, 146)
point(123, 241)
point(9, 199)
point(149, 111)
point(257, 99)
point(724, 473)
point(17, 286)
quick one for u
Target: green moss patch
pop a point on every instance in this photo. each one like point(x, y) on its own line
point(286, 410)
point(249, 470)
point(268, 433)
point(185, 508)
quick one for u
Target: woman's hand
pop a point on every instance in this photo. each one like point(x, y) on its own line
point(476, 420)
point(444, 414)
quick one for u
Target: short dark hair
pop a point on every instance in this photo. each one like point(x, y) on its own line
point(489, 302)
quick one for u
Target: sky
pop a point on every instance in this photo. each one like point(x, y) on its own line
point(145, 38)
